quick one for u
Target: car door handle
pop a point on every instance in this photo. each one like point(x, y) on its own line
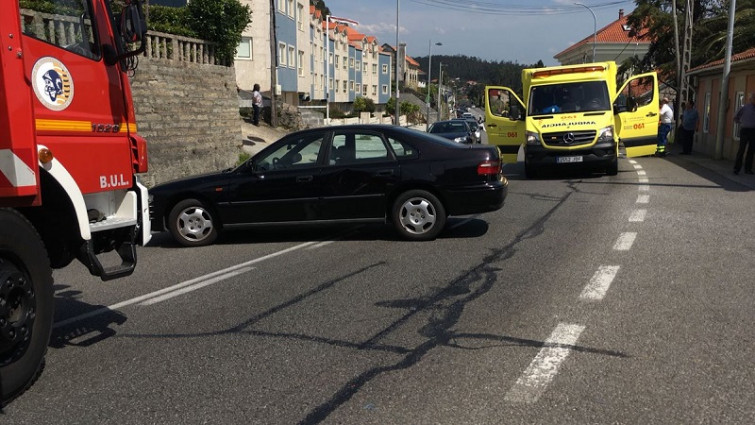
point(304, 179)
point(651, 114)
point(492, 125)
point(385, 173)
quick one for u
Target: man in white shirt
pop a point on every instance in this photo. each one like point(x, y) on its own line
point(664, 127)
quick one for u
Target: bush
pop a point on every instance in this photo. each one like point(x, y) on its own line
point(173, 20)
point(220, 21)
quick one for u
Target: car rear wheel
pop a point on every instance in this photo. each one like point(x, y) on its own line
point(192, 224)
point(418, 215)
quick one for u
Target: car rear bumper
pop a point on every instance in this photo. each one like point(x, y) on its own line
point(477, 199)
point(601, 154)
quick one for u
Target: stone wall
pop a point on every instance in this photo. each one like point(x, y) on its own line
point(188, 110)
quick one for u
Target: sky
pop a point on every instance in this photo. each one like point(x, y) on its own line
point(521, 31)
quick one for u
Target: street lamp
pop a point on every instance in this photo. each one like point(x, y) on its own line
point(397, 104)
point(429, 80)
point(594, 29)
point(440, 92)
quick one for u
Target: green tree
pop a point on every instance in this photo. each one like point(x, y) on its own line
point(221, 21)
point(359, 105)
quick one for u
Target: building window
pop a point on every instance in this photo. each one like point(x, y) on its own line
point(385, 69)
point(385, 89)
point(301, 63)
point(351, 63)
point(282, 6)
point(335, 88)
point(358, 65)
point(739, 100)
point(291, 8)
point(300, 16)
point(374, 68)
point(364, 90)
point(374, 89)
point(282, 54)
point(291, 57)
point(344, 86)
point(244, 49)
point(330, 58)
point(344, 62)
point(706, 113)
point(336, 61)
point(330, 84)
point(351, 86)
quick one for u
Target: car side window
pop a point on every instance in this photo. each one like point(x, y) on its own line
point(351, 148)
point(402, 150)
point(296, 152)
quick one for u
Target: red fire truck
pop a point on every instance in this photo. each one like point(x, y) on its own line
point(69, 158)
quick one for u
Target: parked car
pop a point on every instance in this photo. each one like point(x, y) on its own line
point(474, 127)
point(455, 129)
point(348, 174)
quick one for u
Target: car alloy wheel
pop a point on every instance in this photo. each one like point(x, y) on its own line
point(418, 215)
point(192, 224)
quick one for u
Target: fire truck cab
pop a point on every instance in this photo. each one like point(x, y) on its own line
point(573, 116)
point(69, 159)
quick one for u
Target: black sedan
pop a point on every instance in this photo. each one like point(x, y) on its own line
point(456, 130)
point(349, 174)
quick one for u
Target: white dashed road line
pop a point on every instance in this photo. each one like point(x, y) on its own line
point(599, 284)
point(625, 241)
point(538, 375)
point(637, 216)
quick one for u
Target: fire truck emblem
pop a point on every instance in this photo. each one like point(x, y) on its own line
point(52, 83)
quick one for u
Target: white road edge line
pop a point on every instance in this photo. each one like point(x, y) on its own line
point(543, 368)
point(638, 216)
point(642, 172)
point(177, 286)
point(196, 286)
point(625, 241)
point(599, 283)
point(637, 167)
point(643, 199)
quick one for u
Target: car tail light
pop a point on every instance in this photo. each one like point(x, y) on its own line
point(489, 168)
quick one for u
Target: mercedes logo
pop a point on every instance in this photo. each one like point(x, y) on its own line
point(569, 138)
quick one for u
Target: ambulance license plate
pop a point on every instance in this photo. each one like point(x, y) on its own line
point(568, 159)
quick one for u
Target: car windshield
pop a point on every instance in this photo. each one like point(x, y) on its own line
point(449, 127)
point(582, 96)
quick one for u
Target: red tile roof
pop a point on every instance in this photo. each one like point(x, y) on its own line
point(747, 54)
point(614, 32)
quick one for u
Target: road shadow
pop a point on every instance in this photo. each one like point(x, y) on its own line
point(457, 228)
point(85, 324)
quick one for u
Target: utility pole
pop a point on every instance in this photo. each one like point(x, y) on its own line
point(273, 66)
point(723, 103)
point(684, 89)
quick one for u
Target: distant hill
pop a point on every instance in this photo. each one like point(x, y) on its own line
point(484, 72)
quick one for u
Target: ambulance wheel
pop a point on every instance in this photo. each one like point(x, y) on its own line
point(529, 170)
point(613, 167)
point(26, 304)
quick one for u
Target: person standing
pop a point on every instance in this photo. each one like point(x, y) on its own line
point(664, 127)
point(256, 104)
point(745, 117)
point(690, 117)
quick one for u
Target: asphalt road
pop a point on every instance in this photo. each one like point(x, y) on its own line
point(585, 299)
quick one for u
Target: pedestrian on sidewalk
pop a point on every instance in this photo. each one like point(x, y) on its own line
point(256, 104)
point(745, 117)
point(664, 126)
point(690, 117)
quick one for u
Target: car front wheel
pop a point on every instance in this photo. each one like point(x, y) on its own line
point(192, 224)
point(418, 215)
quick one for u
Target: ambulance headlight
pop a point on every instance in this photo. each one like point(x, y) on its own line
point(606, 134)
point(532, 138)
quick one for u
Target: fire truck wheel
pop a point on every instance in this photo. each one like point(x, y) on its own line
point(26, 304)
point(192, 224)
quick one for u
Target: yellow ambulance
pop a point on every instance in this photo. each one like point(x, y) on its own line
point(573, 116)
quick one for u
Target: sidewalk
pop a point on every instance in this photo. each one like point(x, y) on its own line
point(722, 167)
